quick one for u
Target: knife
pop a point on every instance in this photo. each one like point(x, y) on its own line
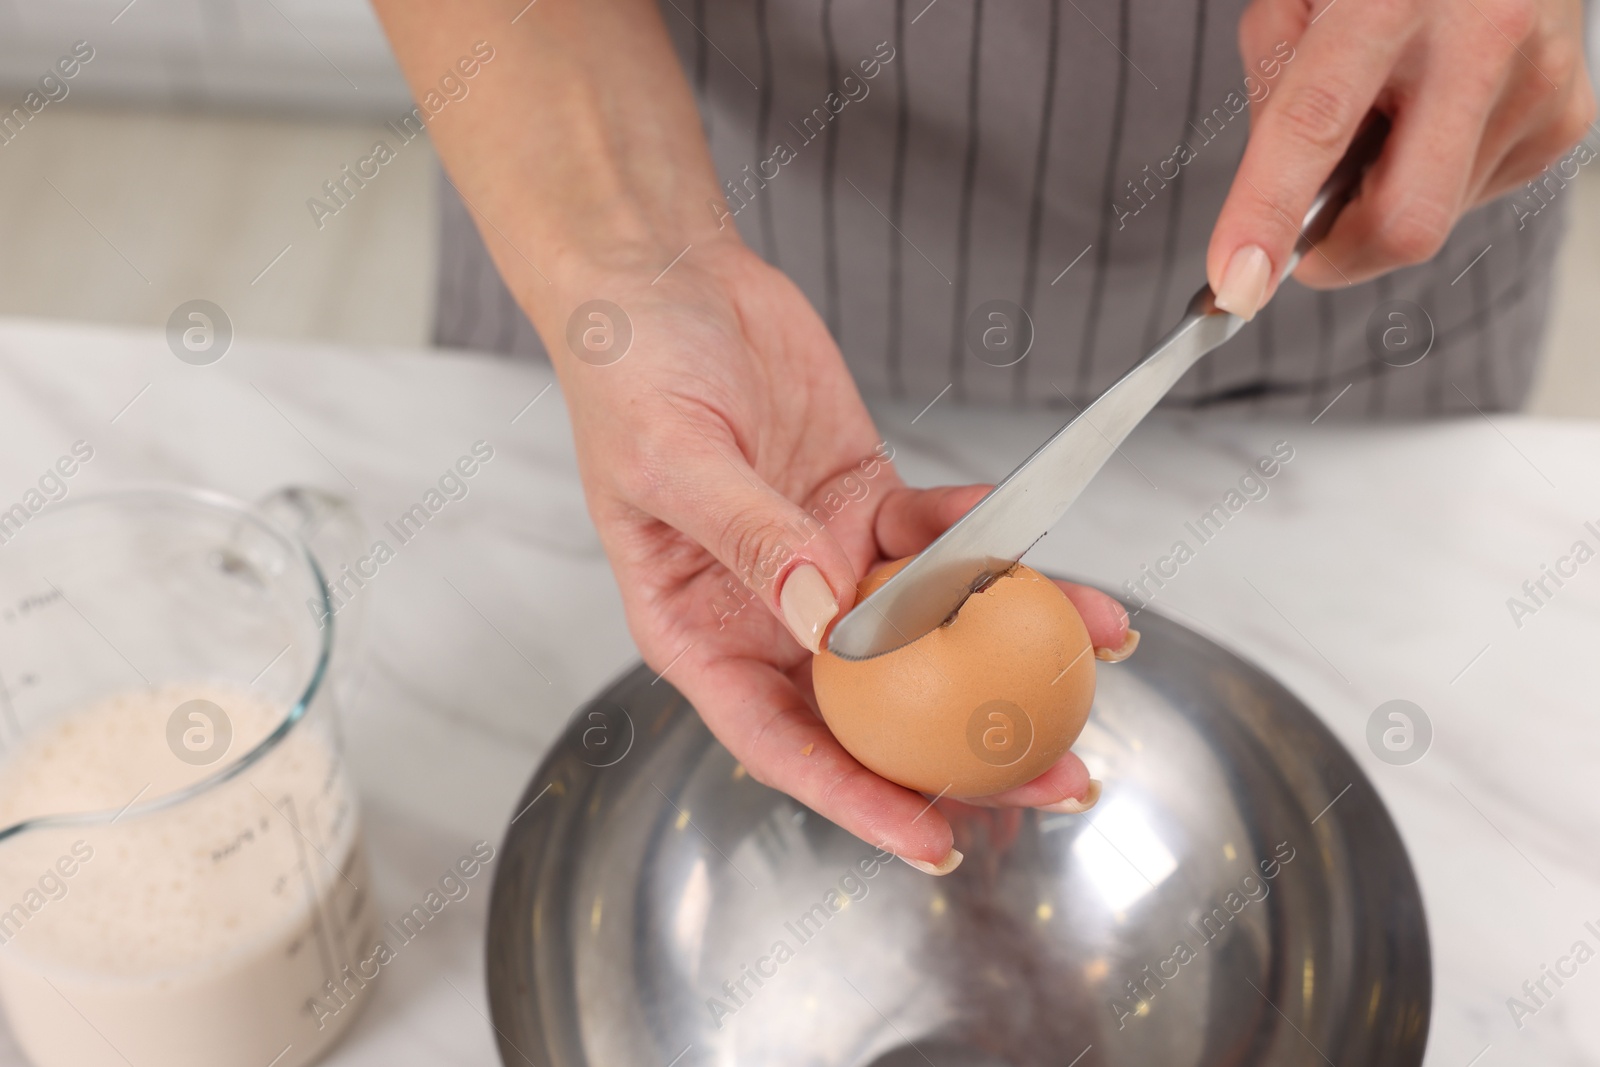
point(1021, 509)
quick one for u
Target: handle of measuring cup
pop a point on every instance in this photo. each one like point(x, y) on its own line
point(333, 532)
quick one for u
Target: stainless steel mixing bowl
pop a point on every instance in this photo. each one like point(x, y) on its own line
point(1239, 896)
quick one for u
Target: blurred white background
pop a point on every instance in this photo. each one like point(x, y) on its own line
point(318, 57)
point(179, 165)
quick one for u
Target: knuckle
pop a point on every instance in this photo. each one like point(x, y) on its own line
point(644, 475)
point(1317, 115)
point(1560, 61)
point(1574, 122)
point(753, 754)
point(1516, 19)
point(1416, 232)
point(829, 796)
point(1546, 74)
point(752, 549)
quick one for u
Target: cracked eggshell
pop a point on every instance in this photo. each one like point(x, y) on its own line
point(986, 702)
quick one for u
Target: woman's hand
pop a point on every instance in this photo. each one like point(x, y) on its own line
point(741, 490)
point(730, 467)
point(1483, 94)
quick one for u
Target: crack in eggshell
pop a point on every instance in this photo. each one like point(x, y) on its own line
point(988, 582)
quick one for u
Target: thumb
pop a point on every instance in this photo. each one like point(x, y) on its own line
point(773, 546)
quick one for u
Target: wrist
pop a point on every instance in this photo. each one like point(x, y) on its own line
point(631, 260)
point(622, 250)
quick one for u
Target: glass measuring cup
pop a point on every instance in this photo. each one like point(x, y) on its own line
point(181, 873)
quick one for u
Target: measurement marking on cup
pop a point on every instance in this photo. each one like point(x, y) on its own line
point(680, 1055)
point(306, 839)
point(1331, 803)
point(1079, 1056)
point(281, 1055)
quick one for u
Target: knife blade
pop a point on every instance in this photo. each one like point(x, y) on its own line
point(1000, 529)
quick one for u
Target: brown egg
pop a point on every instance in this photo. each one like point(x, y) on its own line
point(988, 701)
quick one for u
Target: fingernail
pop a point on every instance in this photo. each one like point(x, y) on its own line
point(951, 861)
point(1071, 806)
point(808, 605)
point(1244, 283)
point(1117, 655)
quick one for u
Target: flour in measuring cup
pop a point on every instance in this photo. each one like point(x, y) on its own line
point(195, 935)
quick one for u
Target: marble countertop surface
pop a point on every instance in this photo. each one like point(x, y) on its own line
point(1378, 566)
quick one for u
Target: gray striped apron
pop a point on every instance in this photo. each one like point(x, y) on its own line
point(920, 169)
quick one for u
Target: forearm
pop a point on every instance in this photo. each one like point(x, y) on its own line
point(579, 150)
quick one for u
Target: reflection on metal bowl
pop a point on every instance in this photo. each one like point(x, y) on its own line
point(1239, 896)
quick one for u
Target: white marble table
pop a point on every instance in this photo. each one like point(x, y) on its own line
point(1377, 567)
